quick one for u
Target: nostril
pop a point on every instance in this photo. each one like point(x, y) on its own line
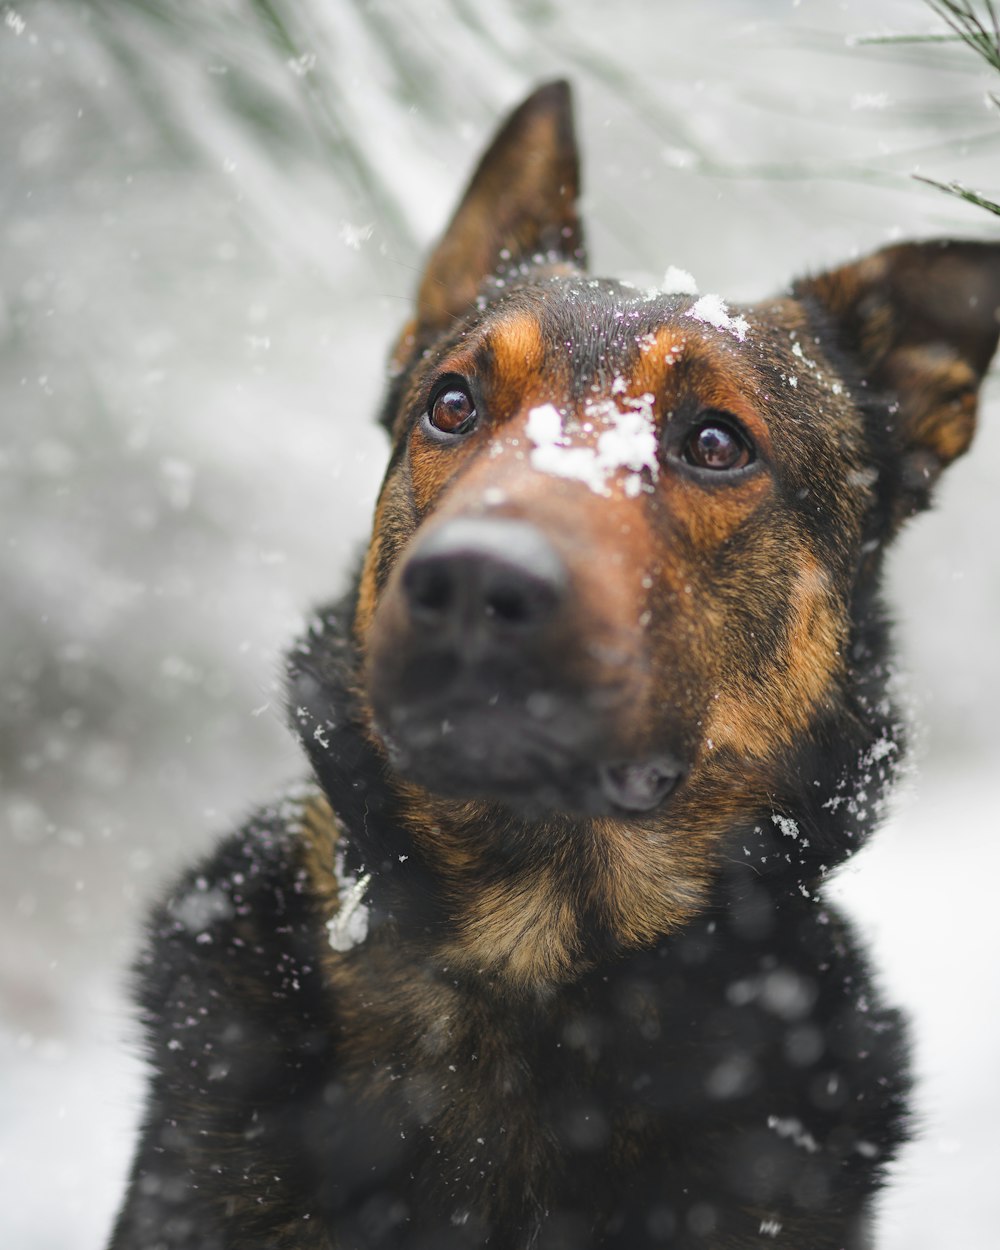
point(476, 579)
point(508, 605)
point(430, 587)
point(518, 597)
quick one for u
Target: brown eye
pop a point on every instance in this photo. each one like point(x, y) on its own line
point(452, 410)
point(717, 445)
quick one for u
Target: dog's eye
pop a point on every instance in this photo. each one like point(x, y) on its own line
point(451, 409)
point(716, 444)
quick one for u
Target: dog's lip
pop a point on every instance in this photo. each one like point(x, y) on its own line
point(639, 785)
point(480, 723)
point(514, 758)
point(465, 740)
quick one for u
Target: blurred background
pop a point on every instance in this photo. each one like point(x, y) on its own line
point(211, 218)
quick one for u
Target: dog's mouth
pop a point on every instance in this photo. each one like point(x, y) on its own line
point(492, 752)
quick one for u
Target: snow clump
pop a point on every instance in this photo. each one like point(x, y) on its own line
point(628, 441)
point(348, 926)
point(712, 310)
point(679, 282)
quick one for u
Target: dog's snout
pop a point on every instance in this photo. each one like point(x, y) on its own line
point(473, 576)
point(496, 667)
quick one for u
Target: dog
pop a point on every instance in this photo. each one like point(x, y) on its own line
point(539, 960)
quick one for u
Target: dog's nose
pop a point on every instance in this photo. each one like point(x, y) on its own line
point(473, 578)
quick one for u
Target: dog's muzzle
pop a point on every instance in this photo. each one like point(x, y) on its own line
point(483, 684)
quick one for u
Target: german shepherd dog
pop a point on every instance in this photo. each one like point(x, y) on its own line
point(539, 962)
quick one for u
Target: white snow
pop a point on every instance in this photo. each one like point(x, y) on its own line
point(348, 927)
point(864, 478)
point(794, 1130)
point(201, 907)
point(354, 235)
point(787, 826)
point(879, 750)
point(302, 65)
point(712, 310)
point(679, 282)
point(544, 425)
point(870, 100)
point(628, 441)
point(577, 463)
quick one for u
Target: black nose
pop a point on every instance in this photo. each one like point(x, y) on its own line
point(476, 578)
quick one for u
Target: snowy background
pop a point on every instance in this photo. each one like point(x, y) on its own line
point(210, 219)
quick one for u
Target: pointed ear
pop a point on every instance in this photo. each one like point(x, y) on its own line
point(921, 320)
point(520, 204)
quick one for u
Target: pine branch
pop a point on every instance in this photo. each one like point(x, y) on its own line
point(981, 34)
point(963, 193)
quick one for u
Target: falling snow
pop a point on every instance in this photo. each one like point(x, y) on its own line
point(792, 1129)
point(354, 236)
point(139, 765)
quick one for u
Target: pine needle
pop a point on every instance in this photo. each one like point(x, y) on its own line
point(963, 193)
point(981, 34)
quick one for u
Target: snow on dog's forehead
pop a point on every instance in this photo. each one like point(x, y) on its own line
point(712, 310)
point(709, 309)
point(627, 440)
point(613, 303)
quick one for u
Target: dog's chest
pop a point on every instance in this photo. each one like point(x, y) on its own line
point(501, 1116)
point(679, 1083)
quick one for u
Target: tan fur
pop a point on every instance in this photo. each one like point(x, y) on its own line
point(756, 719)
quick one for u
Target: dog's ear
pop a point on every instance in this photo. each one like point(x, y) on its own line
point(921, 321)
point(520, 204)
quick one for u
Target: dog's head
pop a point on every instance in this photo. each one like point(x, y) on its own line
point(624, 565)
point(622, 529)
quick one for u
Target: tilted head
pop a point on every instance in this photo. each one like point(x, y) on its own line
point(619, 613)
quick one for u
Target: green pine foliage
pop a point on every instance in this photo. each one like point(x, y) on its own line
point(978, 27)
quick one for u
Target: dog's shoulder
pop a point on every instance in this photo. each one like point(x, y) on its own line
point(239, 1024)
point(244, 931)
